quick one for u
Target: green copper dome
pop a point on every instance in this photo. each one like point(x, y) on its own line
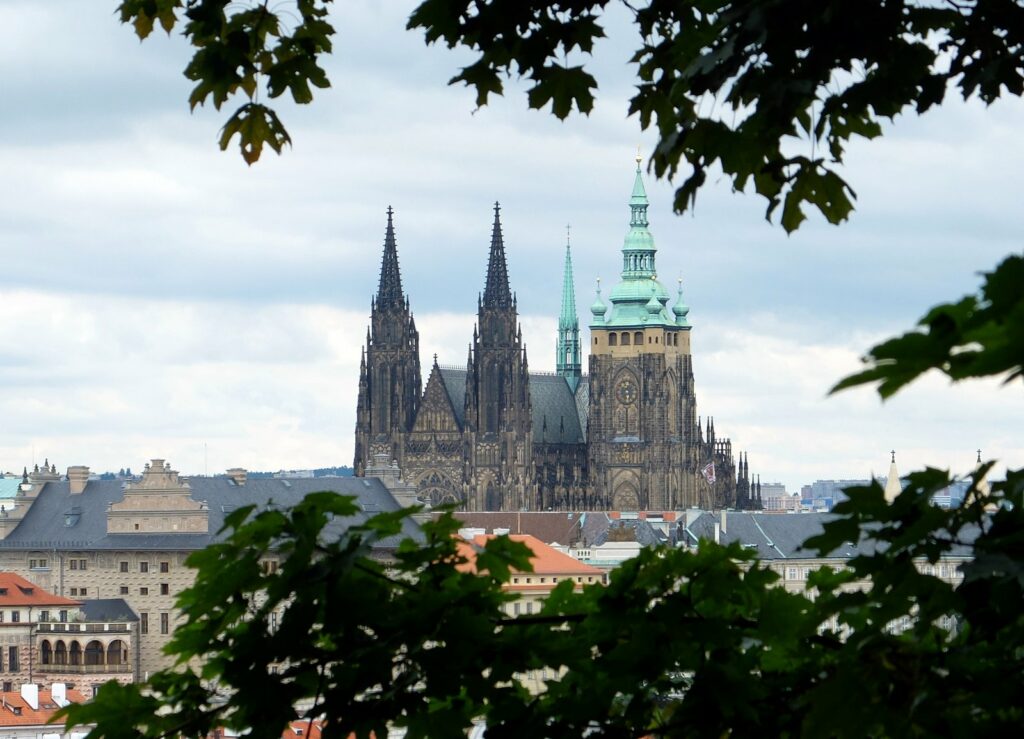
point(681, 309)
point(598, 308)
point(639, 300)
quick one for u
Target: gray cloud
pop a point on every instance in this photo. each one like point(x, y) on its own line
point(162, 295)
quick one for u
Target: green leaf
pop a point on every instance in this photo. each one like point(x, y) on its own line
point(255, 125)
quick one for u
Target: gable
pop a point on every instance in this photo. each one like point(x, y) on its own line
point(436, 412)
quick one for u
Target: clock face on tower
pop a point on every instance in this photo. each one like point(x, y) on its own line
point(626, 392)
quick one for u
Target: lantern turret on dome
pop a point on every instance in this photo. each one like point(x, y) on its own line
point(639, 300)
point(598, 309)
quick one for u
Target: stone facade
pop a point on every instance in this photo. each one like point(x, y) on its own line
point(129, 539)
point(493, 436)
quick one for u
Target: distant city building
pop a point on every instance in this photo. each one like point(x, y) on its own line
point(823, 494)
point(550, 567)
point(494, 436)
point(101, 543)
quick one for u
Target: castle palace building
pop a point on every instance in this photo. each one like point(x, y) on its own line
point(493, 436)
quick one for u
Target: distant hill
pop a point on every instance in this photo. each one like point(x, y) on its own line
point(318, 472)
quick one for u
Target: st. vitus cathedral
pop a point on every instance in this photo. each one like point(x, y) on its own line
point(495, 436)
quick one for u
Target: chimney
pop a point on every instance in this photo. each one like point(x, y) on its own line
point(30, 694)
point(59, 693)
point(239, 475)
point(725, 515)
point(78, 476)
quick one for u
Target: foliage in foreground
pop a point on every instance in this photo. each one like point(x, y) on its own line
point(680, 643)
point(769, 91)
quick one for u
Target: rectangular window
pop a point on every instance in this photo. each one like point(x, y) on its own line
point(63, 615)
point(124, 566)
point(1, 617)
point(124, 590)
point(74, 564)
point(165, 589)
point(15, 617)
point(143, 591)
point(165, 623)
point(82, 563)
point(33, 564)
point(74, 591)
point(143, 566)
point(44, 616)
point(81, 591)
point(515, 608)
point(12, 659)
point(529, 606)
point(165, 566)
point(143, 623)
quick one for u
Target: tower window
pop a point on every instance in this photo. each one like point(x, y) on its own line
point(625, 339)
point(613, 339)
point(638, 338)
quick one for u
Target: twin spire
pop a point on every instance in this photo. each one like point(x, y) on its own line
point(389, 291)
point(496, 290)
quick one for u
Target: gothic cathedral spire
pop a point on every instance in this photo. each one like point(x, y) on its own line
point(496, 290)
point(389, 291)
point(567, 360)
point(497, 400)
point(390, 380)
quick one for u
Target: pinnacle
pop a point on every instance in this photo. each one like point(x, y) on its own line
point(389, 292)
point(496, 290)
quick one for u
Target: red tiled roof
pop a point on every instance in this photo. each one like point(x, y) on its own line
point(546, 560)
point(14, 711)
point(17, 591)
point(304, 730)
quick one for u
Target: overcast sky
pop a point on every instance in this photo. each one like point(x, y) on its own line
point(161, 299)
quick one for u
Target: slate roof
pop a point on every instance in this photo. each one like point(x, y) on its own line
point(553, 409)
point(108, 610)
point(455, 383)
point(597, 524)
point(778, 536)
point(558, 416)
point(45, 525)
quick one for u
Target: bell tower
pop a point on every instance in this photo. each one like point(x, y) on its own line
point(642, 409)
point(389, 371)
